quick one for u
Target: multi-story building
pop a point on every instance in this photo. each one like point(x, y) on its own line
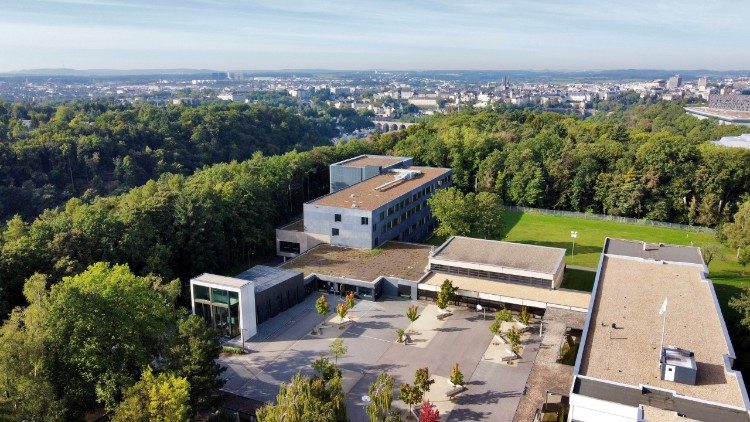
point(655, 345)
point(674, 82)
point(354, 170)
point(390, 206)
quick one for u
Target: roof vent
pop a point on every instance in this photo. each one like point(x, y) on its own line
point(678, 365)
point(400, 176)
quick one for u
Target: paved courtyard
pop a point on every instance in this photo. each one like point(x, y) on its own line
point(285, 346)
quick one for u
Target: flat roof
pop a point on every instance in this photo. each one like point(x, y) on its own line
point(728, 115)
point(371, 160)
point(653, 251)
point(520, 256)
point(396, 259)
point(295, 226)
point(562, 297)
point(221, 280)
point(266, 277)
point(366, 197)
point(629, 294)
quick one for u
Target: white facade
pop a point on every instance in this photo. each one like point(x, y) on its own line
point(246, 292)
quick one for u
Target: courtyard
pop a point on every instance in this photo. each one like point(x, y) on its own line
point(284, 346)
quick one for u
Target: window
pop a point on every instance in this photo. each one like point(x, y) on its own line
point(336, 217)
point(290, 247)
point(334, 232)
point(374, 227)
point(365, 221)
point(382, 215)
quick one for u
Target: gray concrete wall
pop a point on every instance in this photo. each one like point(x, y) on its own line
point(352, 233)
point(341, 177)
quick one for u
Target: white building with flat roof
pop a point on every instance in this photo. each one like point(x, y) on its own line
point(654, 344)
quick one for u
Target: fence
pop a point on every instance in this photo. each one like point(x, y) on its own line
point(628, 220)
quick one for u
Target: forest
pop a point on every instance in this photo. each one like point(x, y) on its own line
point(51, 153)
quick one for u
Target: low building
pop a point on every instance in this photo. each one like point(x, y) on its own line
point(236, 305)
point(391, 270)
point(741, 141)
point(655, 345)
point(354, 170)
point(499, 274)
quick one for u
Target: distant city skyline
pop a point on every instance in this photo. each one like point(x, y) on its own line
point(414, 35)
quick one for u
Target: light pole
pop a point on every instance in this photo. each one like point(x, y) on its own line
point(574, 235)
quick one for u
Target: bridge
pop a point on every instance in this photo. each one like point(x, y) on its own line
point(390, 125)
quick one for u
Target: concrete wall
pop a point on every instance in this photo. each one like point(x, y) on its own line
point(352, 233)
point(306, 241)
point(587, 409)
point(342, 176)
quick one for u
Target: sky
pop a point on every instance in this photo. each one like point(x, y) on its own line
point(375, 34)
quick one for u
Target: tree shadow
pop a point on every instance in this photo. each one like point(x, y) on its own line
point(451, 329)
point(464, 414)
point(510, 219)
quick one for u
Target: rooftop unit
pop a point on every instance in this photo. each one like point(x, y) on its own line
point(678, 365)
point(400, 176)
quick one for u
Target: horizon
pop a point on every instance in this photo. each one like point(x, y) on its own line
point(415, 36)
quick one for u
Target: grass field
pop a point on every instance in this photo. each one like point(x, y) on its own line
point(552, 230)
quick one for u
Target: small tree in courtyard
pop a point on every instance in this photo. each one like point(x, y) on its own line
point(422, 379)
point(412, 313)
point(441, 301)
point(327, 369)
point(342, 309)
point(514, 337)
point(457, 377)
point(411, 395)
point(525, 315)
point(400, 335)
point(503, 315)
point(350, 300)
point(448, 291)
point(338, 349)
point(321, 305)
point(428, 412)
point(495, 327)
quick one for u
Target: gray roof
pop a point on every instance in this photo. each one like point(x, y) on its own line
point(266, 277)
point(653, 251)
point(220, 280)
point(543, 259)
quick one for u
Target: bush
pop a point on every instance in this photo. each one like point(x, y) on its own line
point(233, 350)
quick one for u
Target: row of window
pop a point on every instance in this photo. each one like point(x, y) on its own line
point(363, 220)
point(491, 275)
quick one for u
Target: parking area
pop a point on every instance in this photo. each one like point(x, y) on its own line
point(285, 346)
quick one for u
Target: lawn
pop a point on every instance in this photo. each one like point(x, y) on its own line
point(552, 230)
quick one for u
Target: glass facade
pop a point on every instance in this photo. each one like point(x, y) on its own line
point(219, 307)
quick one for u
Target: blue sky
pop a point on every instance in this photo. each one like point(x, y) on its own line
point(235, 34)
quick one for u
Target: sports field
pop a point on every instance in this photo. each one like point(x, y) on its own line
point(552, 230)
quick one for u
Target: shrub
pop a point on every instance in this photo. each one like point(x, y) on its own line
point(232, 350)
point(321, 305)
point(457, 377)
point(503, 315)
point(400, 335)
